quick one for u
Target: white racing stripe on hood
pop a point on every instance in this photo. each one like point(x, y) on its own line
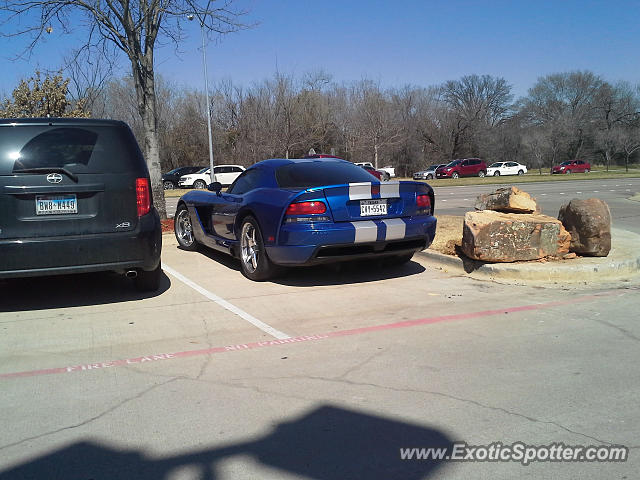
point(360, 191)
point(366, 231)
point(395, 228)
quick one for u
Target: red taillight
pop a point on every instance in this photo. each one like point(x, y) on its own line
point(143, 196)
point(306, 208)
point(423, 201)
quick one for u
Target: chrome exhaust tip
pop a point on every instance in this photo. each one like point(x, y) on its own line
point(131, 274)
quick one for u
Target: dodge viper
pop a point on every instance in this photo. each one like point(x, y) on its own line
point(283, 212)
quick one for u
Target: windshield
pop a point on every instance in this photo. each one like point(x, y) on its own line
point(454, 163)
point(91, 149)
point(433, 167)
point(565, 164)
point(495, 165)
point(203, 170)
point(318, 174)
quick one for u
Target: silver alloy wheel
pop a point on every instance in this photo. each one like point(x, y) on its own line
point(168, 185)
point(496, 173)
point(455, 175)
point(183, 228)
point(199, 184)
point(249, 251)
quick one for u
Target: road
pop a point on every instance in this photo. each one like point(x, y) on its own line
point(550, 195)
point(323, 374)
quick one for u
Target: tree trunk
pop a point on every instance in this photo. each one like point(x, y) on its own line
point(145, 93)
point(375, 155)
point(152, 156)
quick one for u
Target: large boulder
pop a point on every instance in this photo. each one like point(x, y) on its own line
point(508, 237)
point(508, 199)
point(589, 223)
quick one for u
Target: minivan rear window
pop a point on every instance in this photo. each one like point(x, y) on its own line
point(78, 149)
point(320, 173)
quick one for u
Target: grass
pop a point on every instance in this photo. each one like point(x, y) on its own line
point(178, 192)
point(448, 234)
point(501, 180)
point(531, 177)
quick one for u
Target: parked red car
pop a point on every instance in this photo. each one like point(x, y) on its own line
point(373, 171)
point(468, 167)
point(572, 166)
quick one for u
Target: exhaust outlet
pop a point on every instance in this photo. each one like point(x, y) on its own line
point(131, 274)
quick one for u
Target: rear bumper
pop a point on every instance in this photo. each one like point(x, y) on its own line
point(137, 249)
point(311, 244)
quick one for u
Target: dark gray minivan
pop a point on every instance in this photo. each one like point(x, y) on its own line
point(75, 196)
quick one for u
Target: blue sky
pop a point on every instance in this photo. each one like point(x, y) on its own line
point(396, 42)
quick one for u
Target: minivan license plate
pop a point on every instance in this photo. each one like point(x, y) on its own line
point(373, 207)
point(56, 204)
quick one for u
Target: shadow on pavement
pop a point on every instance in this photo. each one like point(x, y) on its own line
point(59, 291)
point(346, 273)
point(342, 273)
point(329, 443)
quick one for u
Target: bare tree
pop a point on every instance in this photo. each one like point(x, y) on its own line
point(134, 28)
point(376, 119)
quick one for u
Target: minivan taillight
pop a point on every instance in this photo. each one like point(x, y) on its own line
point(143, 196)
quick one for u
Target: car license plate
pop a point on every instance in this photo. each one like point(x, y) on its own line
point(56, 204)
point(373, 207)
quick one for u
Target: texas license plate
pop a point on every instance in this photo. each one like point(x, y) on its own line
point(56, 204)
point(369, 208)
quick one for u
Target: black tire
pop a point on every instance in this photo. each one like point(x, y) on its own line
point(455, 175)
point(496, 173)
point(148, 281)
point(200, 184)
point(429, 177)
point(520, 172)
point(183, 229)
point(168, 185)
point(481, 173)
point(254, 262)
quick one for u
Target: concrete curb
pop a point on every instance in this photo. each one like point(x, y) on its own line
point(622, 263)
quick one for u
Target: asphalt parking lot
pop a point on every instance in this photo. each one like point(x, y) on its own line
point(322, 374)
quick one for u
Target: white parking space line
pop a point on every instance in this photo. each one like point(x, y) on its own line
point(543, 194)
point(578, 192)
point(226, 305)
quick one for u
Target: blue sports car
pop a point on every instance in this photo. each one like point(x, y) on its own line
point(302, 212)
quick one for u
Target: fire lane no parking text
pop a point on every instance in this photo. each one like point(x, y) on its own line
point(160, 357)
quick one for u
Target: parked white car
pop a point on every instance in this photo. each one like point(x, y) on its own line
point(506, 168)
point(390, 170)
point(225, 174)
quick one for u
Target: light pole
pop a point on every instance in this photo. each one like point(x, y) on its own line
point(206, 91)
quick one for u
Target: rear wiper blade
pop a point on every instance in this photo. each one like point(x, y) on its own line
point(69, 174)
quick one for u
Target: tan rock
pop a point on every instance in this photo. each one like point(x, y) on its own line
point(589, 223)
point(508, 199)
point(508, 237)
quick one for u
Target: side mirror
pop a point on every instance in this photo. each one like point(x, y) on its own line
point(215, 187)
